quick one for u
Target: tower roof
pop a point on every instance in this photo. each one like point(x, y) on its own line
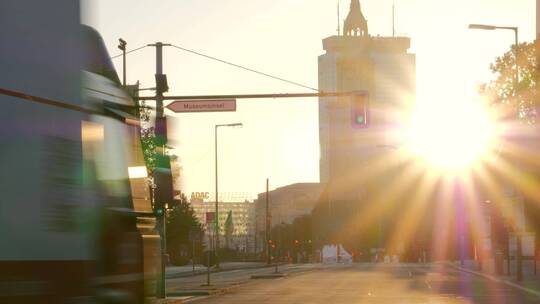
point(356, 23)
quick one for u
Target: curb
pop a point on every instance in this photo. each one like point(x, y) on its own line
point(171, 300)
point(269, 276)
point(203, 294)
point(493, 278)
point(200, 272)
point(189, 293)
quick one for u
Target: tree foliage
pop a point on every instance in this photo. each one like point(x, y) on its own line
point(290, 239)
point(181, 221)
point(148, 138)
point(229, 228)
point(518, 100)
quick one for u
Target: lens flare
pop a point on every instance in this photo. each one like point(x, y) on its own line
point(451, 136)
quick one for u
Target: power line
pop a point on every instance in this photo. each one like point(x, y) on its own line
point(244, 68)
point(228, 63)
point(128, 52)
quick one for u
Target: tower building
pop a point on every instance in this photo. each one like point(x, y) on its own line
point(382, 68)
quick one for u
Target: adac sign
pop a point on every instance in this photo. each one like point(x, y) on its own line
point(200, 195)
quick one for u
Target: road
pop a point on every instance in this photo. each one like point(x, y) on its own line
point(369, 283)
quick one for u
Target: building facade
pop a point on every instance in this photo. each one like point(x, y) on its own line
point(285, 204)
point(243, 215)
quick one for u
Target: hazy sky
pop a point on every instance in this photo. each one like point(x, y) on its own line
point(283, 37)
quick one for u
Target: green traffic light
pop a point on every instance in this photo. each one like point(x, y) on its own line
point(360, 119)
point(159, 211)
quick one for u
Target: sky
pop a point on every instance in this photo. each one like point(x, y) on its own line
point(279, 139)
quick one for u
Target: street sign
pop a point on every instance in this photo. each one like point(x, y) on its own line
point(209, 217)
point(208, 105)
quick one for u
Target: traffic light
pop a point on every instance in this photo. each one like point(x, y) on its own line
point(161, 84)
point(360, 110)
point(163, 193)
point(159, 211)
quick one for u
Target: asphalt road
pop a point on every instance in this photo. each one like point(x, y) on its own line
point(369, 283)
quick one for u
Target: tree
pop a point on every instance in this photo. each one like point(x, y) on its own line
point(229, 229)
point(294, 238)
point(520, 101)
point(148, 137)
point(516, 100)
point(181, 221)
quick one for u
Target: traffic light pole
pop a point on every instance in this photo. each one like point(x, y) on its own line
point(161, 132)
point(216, 216)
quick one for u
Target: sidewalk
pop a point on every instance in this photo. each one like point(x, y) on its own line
point(529, 283)
point(172, 272)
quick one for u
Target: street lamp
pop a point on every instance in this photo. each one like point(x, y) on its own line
point(516, 82)
point(122, 46)
point(512, 28)
point(217, 198)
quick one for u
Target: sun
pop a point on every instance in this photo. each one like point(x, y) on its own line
point(451, 136)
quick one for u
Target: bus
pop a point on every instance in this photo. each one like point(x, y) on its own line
point(76, 220)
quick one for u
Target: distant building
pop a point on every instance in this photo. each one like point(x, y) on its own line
point(177, 172)
point(243, 215)
point(285, 205)
point(355, 163)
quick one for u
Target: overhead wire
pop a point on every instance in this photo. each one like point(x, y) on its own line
point(227, 63)
point(244, 68)
point(129, 52)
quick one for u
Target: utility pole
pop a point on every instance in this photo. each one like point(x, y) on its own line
point(122, 46)
point(519, 270)
point(393, 20)
point(210, 242)
point(217, 197)
point(338, 21)
point(161, 79)
point(267, 230)
point(161, 141)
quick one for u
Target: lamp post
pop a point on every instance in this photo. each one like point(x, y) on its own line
point(512, 28)
point(217, 195)
point(516, 83)
point(122, 46)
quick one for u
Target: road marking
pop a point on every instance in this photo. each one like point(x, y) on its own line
point(427, 283)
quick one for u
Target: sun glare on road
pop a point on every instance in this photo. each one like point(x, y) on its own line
point(452, 136)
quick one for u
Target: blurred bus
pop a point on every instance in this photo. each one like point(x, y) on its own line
point(76, 222)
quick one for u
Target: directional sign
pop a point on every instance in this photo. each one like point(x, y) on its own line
point(207, 105)
point(209, 217)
